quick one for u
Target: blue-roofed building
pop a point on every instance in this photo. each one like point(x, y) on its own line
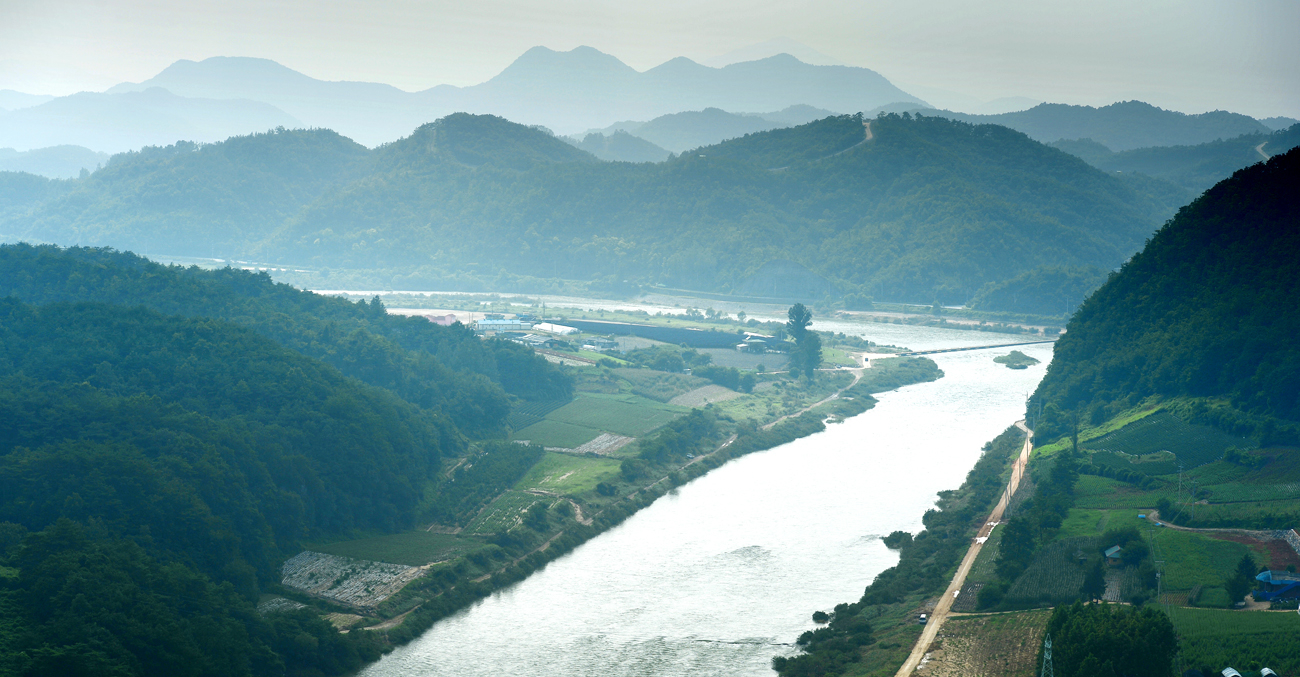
point(1277, 585)
point(1113, 555)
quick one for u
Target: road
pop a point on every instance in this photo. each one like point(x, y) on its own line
point(943, 607)
point(861, 359)
point(1260, 149)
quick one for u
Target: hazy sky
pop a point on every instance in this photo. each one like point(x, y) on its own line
point(1240, 55)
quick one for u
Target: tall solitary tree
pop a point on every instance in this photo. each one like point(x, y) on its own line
point(807, 354)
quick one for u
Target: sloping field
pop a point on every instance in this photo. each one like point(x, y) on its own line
point(503, 513)
point(702, 396)
point(568, 474)
point(1242, 639)
point(626, 415)
point(1194, 445)
point(998, 645)
point(550, 433)
point(411, 548)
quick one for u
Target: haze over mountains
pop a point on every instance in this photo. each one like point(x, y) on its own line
point(925, 209)
point(565, 91)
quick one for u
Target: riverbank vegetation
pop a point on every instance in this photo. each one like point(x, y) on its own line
point(874, 635)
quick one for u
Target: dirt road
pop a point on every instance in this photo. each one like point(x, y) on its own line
point(857, 376)
point(942, 608)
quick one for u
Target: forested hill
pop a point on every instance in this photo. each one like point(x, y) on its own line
point(444, 369)
point(927, 209)
point(202, 200)
point(1208, 310)
point(154, 471)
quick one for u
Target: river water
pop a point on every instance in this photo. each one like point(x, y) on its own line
point(723, 573)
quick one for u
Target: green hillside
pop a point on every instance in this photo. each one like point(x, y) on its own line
point(1193, 167)
point(160, 468)
point(926, 209)
point(444, 369)
point(1206, 310)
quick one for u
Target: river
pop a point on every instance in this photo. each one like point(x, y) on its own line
point(723, 573)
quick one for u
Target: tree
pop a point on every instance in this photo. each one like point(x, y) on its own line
point(1094, 583)
point(800, 318)
point(807, 354)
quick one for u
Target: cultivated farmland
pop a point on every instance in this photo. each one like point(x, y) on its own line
point(567, 474)
point(1246, 640)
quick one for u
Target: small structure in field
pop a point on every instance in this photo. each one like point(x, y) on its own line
point(1113, 555)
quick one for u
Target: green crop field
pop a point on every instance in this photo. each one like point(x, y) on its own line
point(1194, 445)
point(1081, 522)
point(566, 474)
point(503, 513)
point(528, 413)
point(658, 385)
point(1234, 492)
point(413, 548)
point(1246, 640)
point(622, 414)
point(549, 433)
point(1192, 559)
point(1055, 575)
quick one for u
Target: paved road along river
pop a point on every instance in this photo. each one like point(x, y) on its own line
point(723, 573)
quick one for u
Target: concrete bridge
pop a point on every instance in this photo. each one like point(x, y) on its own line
point(957, 350)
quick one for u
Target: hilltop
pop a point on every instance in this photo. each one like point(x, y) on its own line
point(927, 209)
point(1120, 126)
point(581, 89)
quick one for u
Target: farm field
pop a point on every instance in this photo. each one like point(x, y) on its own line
point(659, 386)
point(412, 548)
point(1246, 640)
point(1103, 492)
point(702, 396)
point(994, 645)
point(549, 433)
point(566, 474)
point(766, 403)
point(1193, 559)
point(503, 513)
point(623, 414)
point(1194, 445)
point(1055, 576)
point(726, 357)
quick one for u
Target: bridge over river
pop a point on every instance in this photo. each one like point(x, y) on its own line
point(957, 350)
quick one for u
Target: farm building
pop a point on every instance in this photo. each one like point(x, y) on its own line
point(602, 344)
point(499, 325)
point(758, 343)
point(550, 328)
point(1277, 585)
point(1113, 555)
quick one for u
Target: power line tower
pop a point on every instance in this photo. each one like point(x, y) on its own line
point(1047, 658)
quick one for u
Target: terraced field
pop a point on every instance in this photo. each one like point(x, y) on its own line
point(503, 513)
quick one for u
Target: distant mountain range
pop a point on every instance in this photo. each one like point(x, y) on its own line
point(924, 209)
point(1119, 126)
point(568, 92)
point(1194, 168)
point(55, 162)
point(115, 123)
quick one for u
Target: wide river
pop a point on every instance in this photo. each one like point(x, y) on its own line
point(723, 573)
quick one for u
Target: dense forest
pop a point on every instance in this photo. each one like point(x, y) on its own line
point(156, 468)
point(1193, 167)
point(926, 209)
point(168, 435)
point(1206, 310)
point(438, 368)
